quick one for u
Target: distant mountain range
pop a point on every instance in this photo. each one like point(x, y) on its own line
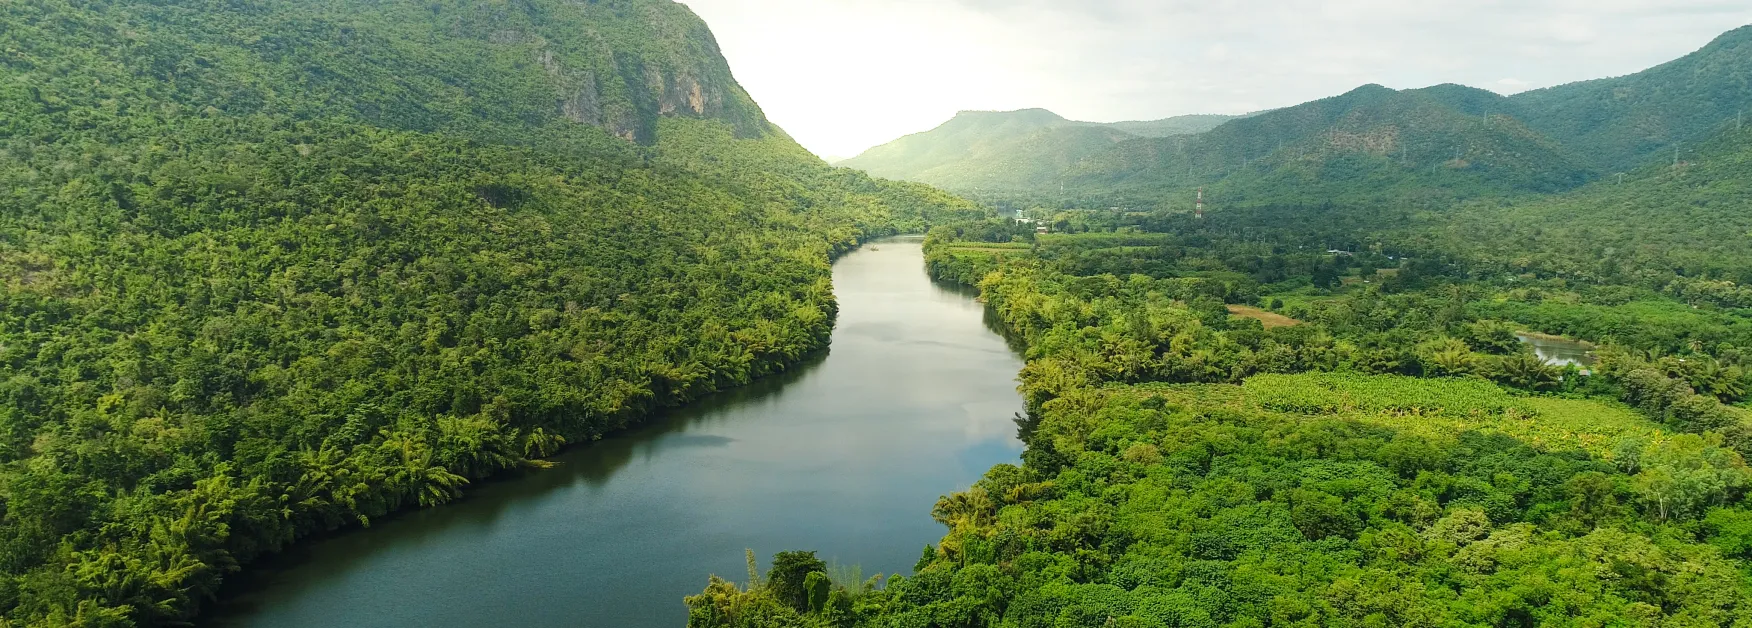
point(1373, 143)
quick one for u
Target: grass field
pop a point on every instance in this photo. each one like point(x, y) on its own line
point(1271, 320)
point(1438, 408)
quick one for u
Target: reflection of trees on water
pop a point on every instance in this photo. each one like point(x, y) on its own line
point(602, 482)
point(598, 463)
point(1025, 425)
point(484, 503)
point(992, 322)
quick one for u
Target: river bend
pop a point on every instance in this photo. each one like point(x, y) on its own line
point(844, 455)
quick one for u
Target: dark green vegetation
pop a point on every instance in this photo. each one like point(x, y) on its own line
point(1421, 147)
point(272, 268)
point(1391, 456)
point(1372, 144)
point(1684, 231)
point(1619, 123)
point(1011, 149)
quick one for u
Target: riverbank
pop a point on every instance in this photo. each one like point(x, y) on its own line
point(914, 398)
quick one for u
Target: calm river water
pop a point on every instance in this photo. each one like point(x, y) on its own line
point(845, 455)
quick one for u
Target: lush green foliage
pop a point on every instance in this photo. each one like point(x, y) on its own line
point(1172, 506)
point(1620, 123)
point(274, 268)
point(1395, 455)
point(1372, 144)
point(1682, 231)
point(1140, 512)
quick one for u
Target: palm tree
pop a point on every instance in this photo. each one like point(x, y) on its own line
point(416, 475)
point(540, 444)
point(969, 508)
point(1710, 377)
point(1449, 358)
point(476, 446)
point(1527, 372)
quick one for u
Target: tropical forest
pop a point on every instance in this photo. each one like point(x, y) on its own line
point(525, 313)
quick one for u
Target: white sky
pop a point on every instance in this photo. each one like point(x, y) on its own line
point(844, 75)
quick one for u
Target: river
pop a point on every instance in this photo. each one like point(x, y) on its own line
point(844, 455)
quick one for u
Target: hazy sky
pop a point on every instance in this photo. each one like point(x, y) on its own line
point(844, 75)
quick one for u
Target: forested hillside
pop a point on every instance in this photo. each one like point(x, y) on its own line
point(1367, 145)
point(272, 268)
point(1682, 229)
point(1619, 123)
point(1010, 150)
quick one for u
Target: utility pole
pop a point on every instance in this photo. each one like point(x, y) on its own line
point(1198, 209)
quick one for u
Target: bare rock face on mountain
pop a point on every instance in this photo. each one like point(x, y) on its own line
point(430, 65)
point(622, 64)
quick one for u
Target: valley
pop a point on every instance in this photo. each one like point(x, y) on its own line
point(912, 394)
point(522, 312)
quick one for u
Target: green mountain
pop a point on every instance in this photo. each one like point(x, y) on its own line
point(485, 68)
point(272, 268)
point(1373, 144)
point(1619, 123)
point(1010, 149)
point(1689, 219)
point(1441, 142)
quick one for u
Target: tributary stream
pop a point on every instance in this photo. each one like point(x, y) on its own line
point(844, 455)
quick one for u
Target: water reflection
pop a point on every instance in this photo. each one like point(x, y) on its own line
point(1560, 351)
point(845, 455)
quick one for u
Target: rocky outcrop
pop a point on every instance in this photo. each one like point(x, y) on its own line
point(621, 64)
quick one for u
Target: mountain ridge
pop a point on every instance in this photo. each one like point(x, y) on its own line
point(1545, 140)
point(1627, 119)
